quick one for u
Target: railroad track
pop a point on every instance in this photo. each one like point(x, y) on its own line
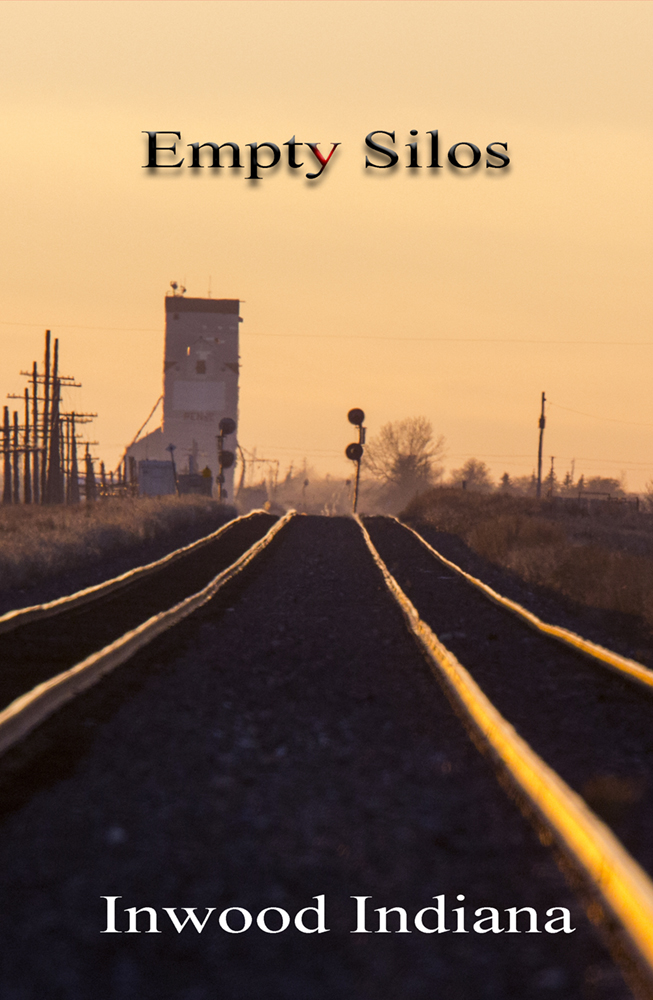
point(517, 679)
point(66, 645)
point(575, 756)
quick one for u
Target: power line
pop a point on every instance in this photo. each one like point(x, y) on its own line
point(72, 326)
point(348, 336)
point(562, 458)
point(593, 416)
point(614, 461)
point(323, 453)
point(457, 340)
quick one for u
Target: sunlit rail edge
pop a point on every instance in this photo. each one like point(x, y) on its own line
point(22, 616)
point(617, 878)
point(622, 664)
point(30, 709)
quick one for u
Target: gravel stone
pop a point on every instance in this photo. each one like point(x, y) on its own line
point(285, 741)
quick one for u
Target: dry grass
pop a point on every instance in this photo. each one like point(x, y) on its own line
point(37, 543)
point(601, 565)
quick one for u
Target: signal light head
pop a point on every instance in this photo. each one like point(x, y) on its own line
point(227, 426)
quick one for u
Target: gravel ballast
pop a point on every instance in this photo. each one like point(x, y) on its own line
point(287, 741)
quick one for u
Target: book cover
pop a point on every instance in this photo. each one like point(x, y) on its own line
point(431, 211)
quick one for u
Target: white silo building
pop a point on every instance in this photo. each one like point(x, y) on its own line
point(200, 387)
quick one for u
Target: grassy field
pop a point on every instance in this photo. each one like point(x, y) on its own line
point(600, 561)
point(38, 543)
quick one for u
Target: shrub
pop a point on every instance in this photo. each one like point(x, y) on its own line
point(521, 535)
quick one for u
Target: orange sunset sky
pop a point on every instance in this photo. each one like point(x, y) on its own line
point(455, 294)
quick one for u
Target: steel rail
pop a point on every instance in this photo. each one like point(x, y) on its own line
point(620, 882)
point(621, 664)
point(32, 708)
point(22, 616)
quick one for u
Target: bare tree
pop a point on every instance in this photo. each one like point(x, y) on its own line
point(405, 454)
point(647, 497)
point(474, 474)
point(605, 484)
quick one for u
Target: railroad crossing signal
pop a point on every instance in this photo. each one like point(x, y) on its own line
point(227, 426)
point(354, 452)
point(225, 458)
point(356, 416)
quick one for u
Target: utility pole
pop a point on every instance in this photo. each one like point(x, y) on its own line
point(73, 480)
point(171, 448)
point(46, 418)
point(241, 482)
point(6, 495)
point(54, 483)
point(90, 488)
point(49, 479)
point(16, 458)
point(27, 478)
point(36, 482)
point(539, 450)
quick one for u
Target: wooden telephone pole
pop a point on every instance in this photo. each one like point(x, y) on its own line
point(539, 450)
point(49, 441)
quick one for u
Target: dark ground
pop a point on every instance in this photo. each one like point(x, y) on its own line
point(113, 564)
point(588, 723)
point(285, 741)
point(42, 649)
point(623, 633)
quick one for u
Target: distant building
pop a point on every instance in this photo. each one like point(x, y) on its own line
point(200, 387)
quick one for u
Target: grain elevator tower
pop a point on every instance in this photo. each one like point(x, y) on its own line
point(200, 385)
